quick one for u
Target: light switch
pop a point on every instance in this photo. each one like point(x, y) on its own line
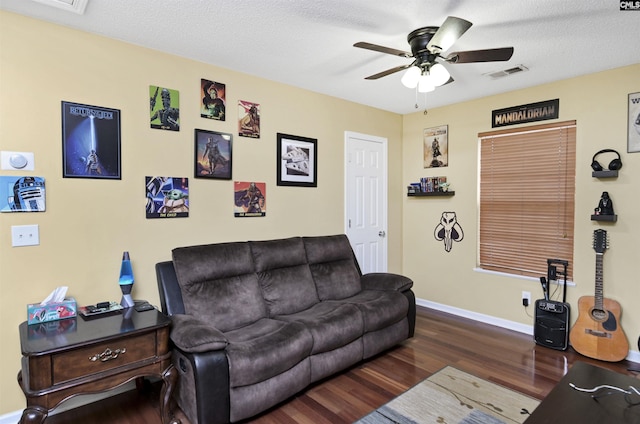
point(25, 235)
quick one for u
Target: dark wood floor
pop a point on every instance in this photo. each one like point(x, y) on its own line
point(505, 357)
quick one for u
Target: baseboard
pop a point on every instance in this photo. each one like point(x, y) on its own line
point(11, 417)
point(633, 356)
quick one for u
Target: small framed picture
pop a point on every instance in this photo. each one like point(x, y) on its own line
point(213, 154)
point(297, 161)
point(90, 141)
point(633, 141)
point(436, 146)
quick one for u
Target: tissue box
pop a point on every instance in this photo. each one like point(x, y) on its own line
point(37, 313)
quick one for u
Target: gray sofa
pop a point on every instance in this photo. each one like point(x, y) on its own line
point(256, 322)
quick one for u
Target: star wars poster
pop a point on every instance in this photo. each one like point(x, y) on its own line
point(167, 197)
point(22, 194)
point(436, 146)
point(90, 141)
point(250, 199)
point(213, 104)
point(634, 123)
point(249, 122)
point(213, 154)
point(164, 106)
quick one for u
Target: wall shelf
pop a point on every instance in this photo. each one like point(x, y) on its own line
point(605, 174)
point(609, 218)
point(431, 194)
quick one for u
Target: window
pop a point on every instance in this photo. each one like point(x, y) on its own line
point(527, 197)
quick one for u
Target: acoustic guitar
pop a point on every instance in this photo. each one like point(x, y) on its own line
point(597, 332)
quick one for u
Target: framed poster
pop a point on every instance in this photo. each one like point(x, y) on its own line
point(297, 159)
point(167, 197)
point(213, 154)
point(213, 104)
point(633, 131)
point(90, 141)
point(250, 199)
point(249, 122)
point(436, 146)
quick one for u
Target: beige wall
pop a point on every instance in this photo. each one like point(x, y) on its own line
point(89, 223)
point(598, 103)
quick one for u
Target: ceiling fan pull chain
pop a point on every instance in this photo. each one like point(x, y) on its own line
point(425, 104)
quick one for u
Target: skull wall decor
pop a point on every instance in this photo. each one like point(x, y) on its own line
point(448, 230)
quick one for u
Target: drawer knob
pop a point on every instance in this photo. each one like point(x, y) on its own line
point(107, 355)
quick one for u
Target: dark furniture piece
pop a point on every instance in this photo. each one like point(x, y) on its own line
point(62, 359)
point(256, 322)
point(567, 405)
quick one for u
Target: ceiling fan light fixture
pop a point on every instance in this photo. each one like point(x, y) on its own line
point(425, 84)
point(411, 77)
point(439, 75)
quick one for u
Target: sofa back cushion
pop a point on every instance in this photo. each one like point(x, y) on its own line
point(333, 266)
point(284, 275)
point(219, 284)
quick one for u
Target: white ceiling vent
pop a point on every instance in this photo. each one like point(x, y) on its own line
point(75, 6)
point(507, 72)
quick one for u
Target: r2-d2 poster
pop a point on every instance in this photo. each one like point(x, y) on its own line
point(167, 197)
point(90, 141)
point(22, 194)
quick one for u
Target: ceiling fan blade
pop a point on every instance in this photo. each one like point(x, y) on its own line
point(382, 49)
point(388, 72)
point(488, 55)
point(448, 33)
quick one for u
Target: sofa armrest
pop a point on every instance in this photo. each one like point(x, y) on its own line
point(191, 334)
point(385, 281)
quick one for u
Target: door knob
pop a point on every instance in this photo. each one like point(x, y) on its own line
point(382, 233)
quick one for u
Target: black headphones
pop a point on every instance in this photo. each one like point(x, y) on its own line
point(614, 165)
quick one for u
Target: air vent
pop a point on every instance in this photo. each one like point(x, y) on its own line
point(507, 72)
point(75, 6)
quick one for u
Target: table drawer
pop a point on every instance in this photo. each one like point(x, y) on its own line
point(101, 357)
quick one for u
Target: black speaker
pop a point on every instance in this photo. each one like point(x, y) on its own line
point(614, 165)
point(551, 324)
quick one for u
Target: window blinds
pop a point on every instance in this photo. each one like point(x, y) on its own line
point(527, 198)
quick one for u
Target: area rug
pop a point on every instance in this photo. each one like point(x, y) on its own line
point(451, 396)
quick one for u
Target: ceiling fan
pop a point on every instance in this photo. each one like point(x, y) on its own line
point(427, 45)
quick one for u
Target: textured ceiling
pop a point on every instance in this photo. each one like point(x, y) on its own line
point(309, 44)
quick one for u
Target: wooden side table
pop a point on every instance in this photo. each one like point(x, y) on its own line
point(62, 359)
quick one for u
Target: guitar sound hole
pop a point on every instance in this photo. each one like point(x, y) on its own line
point(599, 314)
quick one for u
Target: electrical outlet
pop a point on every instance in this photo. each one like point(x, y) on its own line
point(526, 298)
point(25, 235)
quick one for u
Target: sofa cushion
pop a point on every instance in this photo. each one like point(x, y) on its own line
point(333, 266)
point(265, 349)
point(284, 275)
point(219, 284)
point(331, 324)
point(380, 308)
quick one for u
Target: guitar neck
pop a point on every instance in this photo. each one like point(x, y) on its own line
point(599, 294)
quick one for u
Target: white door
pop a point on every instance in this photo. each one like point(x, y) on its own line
point(366, 199)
